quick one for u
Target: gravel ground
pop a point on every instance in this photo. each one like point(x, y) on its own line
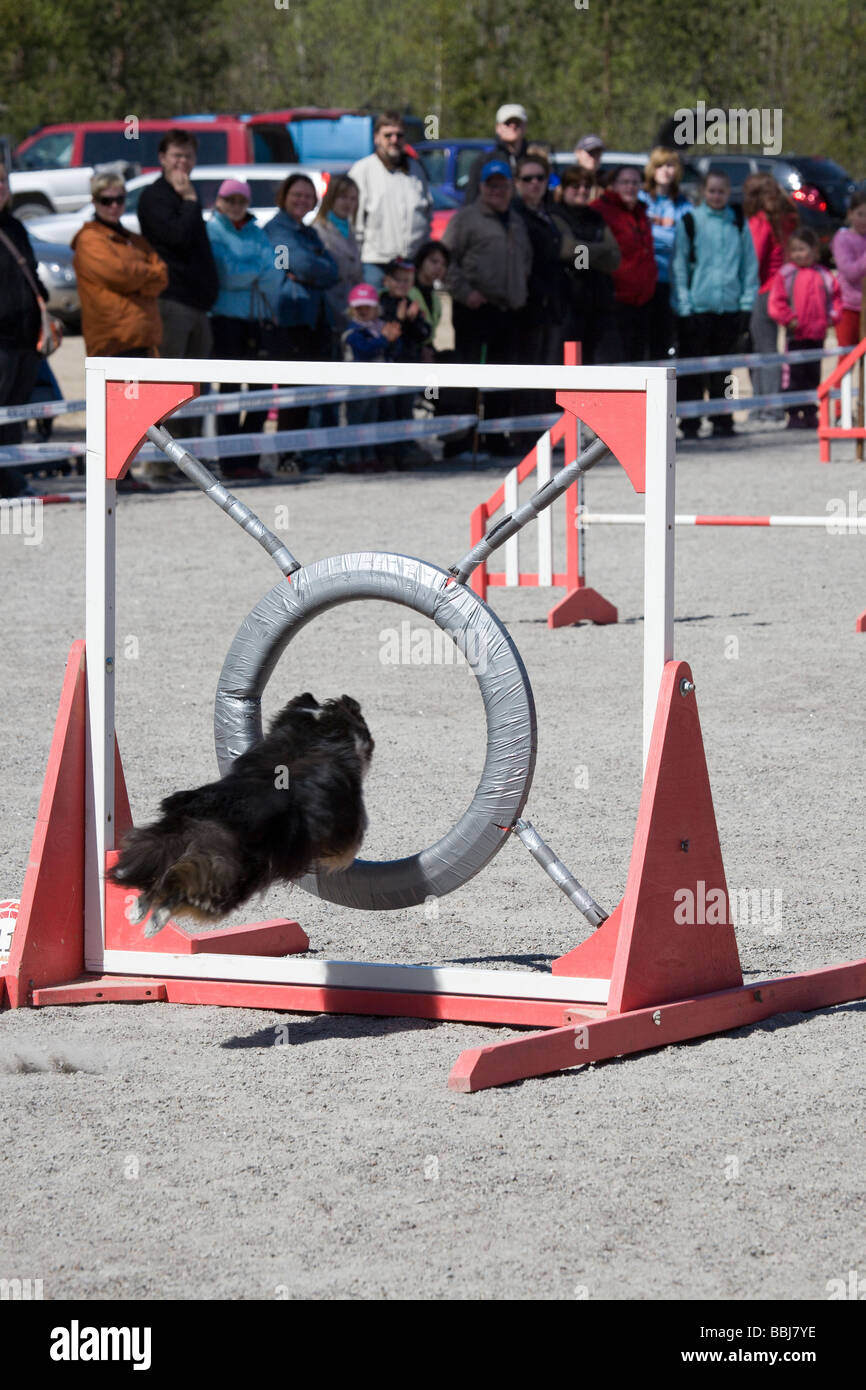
point(730, 1167)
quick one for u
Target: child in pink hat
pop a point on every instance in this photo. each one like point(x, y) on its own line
point(366, 340)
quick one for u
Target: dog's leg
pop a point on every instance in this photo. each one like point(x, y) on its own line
point(138, 909)
point(159, 918)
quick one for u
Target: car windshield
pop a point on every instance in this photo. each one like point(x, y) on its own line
point(51, 152)
point(465, 160)
point(106, 146)
point(436, 164)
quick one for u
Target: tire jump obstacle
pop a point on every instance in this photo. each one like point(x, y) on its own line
point(638, 980)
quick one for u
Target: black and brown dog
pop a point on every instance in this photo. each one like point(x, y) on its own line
point(292, 803)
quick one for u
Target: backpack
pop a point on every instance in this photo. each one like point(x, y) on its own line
point(689, 224)
point(826, 279)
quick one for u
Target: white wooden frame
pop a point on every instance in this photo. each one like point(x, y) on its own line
point(659, 387)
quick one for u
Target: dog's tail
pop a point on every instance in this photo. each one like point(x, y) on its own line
point(197, 872)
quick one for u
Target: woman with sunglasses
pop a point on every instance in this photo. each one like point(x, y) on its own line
point(119, 278)
point(545, 319)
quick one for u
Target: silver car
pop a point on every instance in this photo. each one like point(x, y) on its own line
point(54, 264)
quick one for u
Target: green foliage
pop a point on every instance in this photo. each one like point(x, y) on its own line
point(619, 67)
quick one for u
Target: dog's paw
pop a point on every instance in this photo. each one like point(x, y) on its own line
point(158, 919)
point(137, 909)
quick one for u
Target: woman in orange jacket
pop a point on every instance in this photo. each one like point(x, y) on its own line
point(119, 277)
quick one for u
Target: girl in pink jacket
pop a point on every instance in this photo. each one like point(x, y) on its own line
point(849, 249)
point(806, 299)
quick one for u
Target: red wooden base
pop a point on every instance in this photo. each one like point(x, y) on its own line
point(637, 1031)
point(582, 605)
point(318, 999)
point(860, 625)
point(668, 949)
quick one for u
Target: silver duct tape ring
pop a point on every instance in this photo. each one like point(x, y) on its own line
point(491, 655)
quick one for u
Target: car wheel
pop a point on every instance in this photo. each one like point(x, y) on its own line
point(25, 211)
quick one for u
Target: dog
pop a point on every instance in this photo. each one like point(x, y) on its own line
point(292, 803)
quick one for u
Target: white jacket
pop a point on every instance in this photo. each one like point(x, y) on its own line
point(393, 209)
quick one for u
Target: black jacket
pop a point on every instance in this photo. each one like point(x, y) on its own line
point(549, 291)
point(415, 332)
point(499, 151)
point(591, 285)
point(20, 319)
point(176, 230)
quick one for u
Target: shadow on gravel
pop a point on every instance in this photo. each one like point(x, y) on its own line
point(290, 1030)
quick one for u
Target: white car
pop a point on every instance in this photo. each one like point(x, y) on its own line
point(610, 160)
point(264, 180)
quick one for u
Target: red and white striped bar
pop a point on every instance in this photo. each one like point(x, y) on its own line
point(834, 525)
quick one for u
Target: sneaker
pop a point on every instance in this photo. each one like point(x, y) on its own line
point(290, 463)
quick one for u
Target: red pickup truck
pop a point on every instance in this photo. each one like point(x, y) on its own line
point(53, 167)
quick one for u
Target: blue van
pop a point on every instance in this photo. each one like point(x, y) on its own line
point(448, 163)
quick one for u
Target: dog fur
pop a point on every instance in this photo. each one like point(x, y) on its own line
point(292, 803)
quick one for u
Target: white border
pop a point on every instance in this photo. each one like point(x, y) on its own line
point(356, 974)
point(659, 385)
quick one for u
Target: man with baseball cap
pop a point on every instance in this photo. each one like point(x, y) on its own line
point(488, 277)
point(587, 155)
point(511, 121)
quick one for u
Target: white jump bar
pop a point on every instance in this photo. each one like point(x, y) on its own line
point(851, 525)
point(354, 974)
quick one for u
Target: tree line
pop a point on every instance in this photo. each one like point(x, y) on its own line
point(615, 67)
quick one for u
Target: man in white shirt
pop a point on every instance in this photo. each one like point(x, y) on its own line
point(394, 202)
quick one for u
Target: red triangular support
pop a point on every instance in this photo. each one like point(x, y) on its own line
point(672, 936)
point(582, 605)
point(48, 940)
point(129, 413)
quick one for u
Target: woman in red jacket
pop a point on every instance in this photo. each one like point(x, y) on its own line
point(635, 281)
point(772, 219)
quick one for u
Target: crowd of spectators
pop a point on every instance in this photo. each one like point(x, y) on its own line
point(628, 267)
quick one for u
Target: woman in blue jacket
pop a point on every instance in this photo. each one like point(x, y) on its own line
point(665, 206)
point(714, 273)
point(248, 287)
point(304, 321)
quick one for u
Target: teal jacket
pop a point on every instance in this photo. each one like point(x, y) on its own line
point(249, 280)
point(723, 277)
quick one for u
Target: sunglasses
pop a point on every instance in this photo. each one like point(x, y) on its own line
point(532, 178)
point(113, 201)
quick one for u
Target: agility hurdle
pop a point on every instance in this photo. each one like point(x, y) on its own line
point(847, 374)
point(832, 525)
point(580, 602)
point(853, 526)
point(639, 980)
